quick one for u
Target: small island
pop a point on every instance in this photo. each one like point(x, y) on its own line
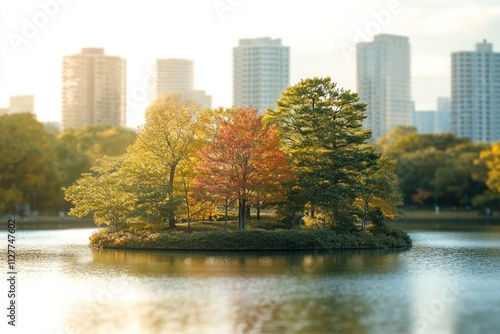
point(265, 236)
point(307, 164)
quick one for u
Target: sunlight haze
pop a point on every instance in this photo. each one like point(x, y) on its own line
point(321, 36)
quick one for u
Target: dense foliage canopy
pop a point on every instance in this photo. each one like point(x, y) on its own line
point(35, 164)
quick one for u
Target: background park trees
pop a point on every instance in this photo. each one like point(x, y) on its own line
point(437, 169)
point(36, 164)
point(26, 177)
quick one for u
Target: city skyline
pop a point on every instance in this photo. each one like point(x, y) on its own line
point(206, 34)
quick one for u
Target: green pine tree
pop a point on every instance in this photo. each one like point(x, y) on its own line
point(321, 125)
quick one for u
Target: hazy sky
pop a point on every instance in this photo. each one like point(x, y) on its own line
point(321, 35)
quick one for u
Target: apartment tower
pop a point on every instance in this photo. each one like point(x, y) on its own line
point(261, 72)
point(176, 77)
point(384, 83)
point(475, 93)
point(94, 89)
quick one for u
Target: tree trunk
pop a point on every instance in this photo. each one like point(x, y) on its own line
point(186, 196)
point(225, 219)
point(313, 214)
point(258, 212)
point(170, 193)
point(241, 213)
point(365, 213)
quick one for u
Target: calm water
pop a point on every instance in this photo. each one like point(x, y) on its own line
point(449, 282)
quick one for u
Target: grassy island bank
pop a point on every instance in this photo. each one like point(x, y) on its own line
point(210, 236)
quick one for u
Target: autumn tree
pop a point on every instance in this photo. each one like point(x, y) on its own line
point(490, 158)
point(244, 162)
point(213, 182)
point(174, 131)
point(102, 191)
point(321, 126)
point(187, 174)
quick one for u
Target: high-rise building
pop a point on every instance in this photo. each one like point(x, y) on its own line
point(384, 83)
point(94, 89)
point(176, 77)
point(425, 121)
point(443, 115)
point(260, 72)
point(475, 93)
point(21, 104)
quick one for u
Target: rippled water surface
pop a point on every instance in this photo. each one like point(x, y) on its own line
point(449, 282)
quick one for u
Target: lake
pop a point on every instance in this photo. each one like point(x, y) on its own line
point(449, 282)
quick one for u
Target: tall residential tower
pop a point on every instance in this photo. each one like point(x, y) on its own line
point(475, 93)
point(443, 115)
point(260, 72)
point(22, 104)
point(94, 89)
point(176, 77)
point(384, 83)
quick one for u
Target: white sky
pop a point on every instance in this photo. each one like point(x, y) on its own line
point(316, 31)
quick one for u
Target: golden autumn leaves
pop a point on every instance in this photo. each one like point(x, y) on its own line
point(186, 162)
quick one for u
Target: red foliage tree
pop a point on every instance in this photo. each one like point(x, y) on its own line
point(245, 163)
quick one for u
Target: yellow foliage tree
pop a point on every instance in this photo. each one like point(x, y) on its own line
point(103, 191)
point(159, 160)
point(492, 159)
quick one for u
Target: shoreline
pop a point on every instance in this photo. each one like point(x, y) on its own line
point(246, 249)
point(250, 240)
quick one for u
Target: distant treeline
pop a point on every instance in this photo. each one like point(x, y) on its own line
point(433, 169)
point(443, 169)
point(36, 164)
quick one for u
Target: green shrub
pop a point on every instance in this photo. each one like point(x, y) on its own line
point(249, 240)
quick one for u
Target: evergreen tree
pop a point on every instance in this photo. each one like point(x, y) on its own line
point(321, 125)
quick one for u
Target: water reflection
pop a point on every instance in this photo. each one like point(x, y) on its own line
point(247, 292)
point(208, 264)
point(447, 283)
